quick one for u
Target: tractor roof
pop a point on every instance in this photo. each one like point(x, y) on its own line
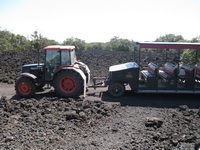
point(171, 45)
point(59, 47)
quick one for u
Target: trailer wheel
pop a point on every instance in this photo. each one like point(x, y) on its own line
point(68, 83)
point(116, 89)
point(25, 87)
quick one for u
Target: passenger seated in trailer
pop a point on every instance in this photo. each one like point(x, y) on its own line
point(168, 72)
point(151, 71)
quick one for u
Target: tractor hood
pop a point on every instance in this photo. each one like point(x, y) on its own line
point(124, 66)
point(31, 67)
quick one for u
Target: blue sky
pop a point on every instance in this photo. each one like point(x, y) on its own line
point(8, 5)
point(100, 20)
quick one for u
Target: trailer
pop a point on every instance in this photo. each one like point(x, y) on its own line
point(154, 78)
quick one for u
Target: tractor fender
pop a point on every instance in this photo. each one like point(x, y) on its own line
point(84, 65)
point(27, 75)
point(80, 72)
point(85, 70)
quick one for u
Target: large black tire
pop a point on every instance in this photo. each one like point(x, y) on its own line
point(25, 87)
point(116, 89)
point(68, 83)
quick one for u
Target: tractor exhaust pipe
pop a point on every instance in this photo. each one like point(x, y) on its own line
point(37, 46)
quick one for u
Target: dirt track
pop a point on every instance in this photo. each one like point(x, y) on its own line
point(148, 121)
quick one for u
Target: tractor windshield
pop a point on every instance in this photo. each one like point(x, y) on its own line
point(52, 57)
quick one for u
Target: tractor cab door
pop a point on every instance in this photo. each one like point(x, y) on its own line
point(53, 61)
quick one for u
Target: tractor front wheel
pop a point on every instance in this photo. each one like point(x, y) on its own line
point(116, 89)
point(68, 83)
point(25, 87)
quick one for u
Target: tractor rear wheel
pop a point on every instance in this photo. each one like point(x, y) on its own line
point(116, 89)
point(25, 87)
point(68, 83)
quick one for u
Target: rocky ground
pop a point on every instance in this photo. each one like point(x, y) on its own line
point(144, 121)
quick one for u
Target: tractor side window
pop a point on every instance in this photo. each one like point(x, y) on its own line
point(52, 57)
point(65, 57)
point(73, 56)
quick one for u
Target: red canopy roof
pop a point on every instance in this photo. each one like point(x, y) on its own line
point(59, 47)
point(171, 45)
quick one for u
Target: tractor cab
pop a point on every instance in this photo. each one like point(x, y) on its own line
point(57, 57)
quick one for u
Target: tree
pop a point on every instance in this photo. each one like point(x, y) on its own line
point(170, 38)
point(188, 57)
point(19, 42)
point(94, 46)
point(10, 41)
point(195, 40)
point(39, 42)
point(78, 43)
point(120, 44)
point(191, 56)
point(5, 45)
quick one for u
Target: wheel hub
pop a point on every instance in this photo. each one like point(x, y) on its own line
point(67, 85)
point(24, 88)
point(116, 89)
